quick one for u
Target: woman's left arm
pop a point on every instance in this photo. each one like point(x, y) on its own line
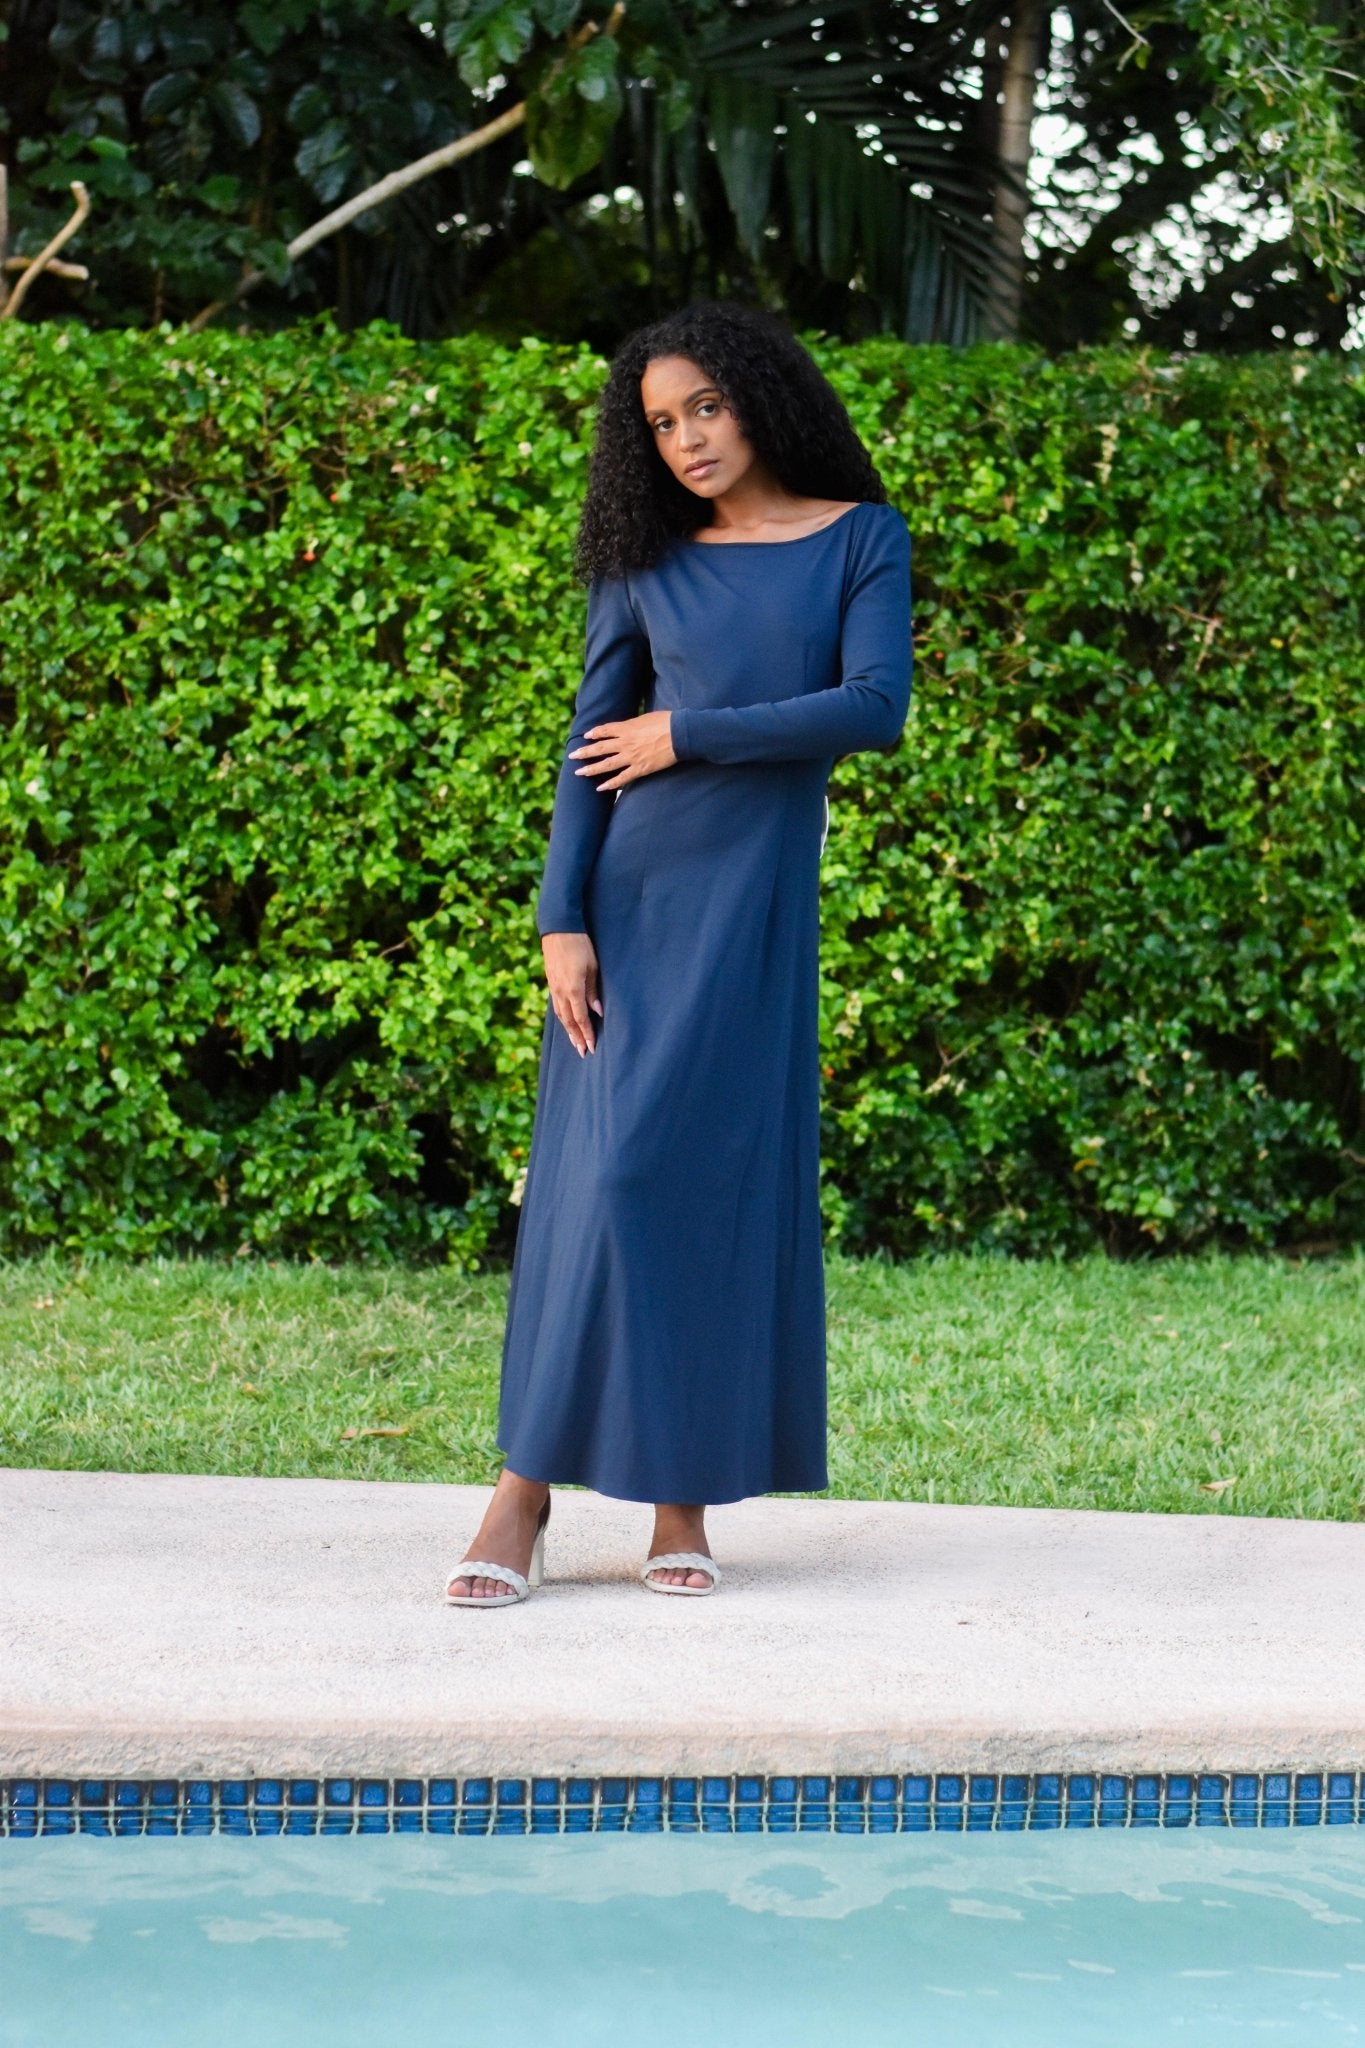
point(867, 708)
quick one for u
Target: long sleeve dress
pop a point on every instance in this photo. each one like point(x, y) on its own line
point(665, 1335)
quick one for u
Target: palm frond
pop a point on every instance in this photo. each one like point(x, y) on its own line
point(840, 118)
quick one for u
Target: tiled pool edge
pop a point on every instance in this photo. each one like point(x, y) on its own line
point(948, 1803)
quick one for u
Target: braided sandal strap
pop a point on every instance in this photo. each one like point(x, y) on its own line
point(472, 1568)
point(691, 1560)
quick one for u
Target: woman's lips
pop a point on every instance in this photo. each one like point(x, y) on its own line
point(701, 468)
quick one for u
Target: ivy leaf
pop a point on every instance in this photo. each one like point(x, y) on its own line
point(308, 109)
point(106, 45)
point(139, 39)
point(268, 25)
point(595, 70)
point(494, 35)
point(237, 111)
point(569, 120)
point(223, 194)
point(168, 92)
point(184, 44)
point(563, 139)
point(324, 159)
point(555, 16)
point(676, 103)
point(272, 257)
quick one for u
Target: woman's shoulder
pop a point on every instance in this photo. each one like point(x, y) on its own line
point(883, 515)
point(880, 525)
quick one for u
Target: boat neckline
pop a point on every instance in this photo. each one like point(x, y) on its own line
point(795, 540)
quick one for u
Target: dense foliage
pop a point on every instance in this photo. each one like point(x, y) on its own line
point(291, 643)
point(841, 160)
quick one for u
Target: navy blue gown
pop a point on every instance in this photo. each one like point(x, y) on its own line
point(665, 1336)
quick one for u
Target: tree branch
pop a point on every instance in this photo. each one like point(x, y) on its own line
point(55, 268)
point(374, 195)
point(400, 180)
point(40, 262)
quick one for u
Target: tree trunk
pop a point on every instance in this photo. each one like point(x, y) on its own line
point(1023, 59)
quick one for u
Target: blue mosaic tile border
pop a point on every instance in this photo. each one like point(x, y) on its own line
point(946, 1803)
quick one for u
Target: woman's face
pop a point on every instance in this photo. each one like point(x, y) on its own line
point(694, 429)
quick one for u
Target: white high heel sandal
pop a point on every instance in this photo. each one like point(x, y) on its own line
point(692, 1561)
point(520, 1588)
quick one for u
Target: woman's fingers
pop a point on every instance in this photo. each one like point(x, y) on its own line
point(607, 750)
point(616, 754)
point(580, 1023)
point(593, 752)
point(571, 1008)
point(612, 761)
point(571, 970)
point(573, 1030)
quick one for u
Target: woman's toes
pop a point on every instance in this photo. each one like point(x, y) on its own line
point(680, 1575)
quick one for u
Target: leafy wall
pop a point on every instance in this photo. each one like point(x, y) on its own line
point(290, 644)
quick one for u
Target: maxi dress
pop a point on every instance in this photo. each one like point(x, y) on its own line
point(665, 1334)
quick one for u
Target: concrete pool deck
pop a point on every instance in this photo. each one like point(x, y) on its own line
point(197, 1627)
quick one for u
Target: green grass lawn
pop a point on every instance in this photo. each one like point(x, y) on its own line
point(1079, 1384)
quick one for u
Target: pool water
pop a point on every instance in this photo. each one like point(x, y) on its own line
point(994, 1941)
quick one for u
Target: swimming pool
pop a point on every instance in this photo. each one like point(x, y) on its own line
point(998, 1941)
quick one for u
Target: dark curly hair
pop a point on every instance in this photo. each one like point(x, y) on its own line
point(784, 404)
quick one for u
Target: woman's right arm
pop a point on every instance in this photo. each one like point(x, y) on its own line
point(616, 672)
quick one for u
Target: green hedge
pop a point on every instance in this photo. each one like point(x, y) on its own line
point(290, 644)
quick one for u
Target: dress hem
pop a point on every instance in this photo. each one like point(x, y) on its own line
point(563, 1476)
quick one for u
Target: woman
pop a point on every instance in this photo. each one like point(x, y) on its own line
point(748, 623)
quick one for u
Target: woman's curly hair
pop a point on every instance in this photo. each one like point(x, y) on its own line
point(785, 406)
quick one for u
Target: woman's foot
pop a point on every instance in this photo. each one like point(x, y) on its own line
point(507, 1533)
point(679, 1528)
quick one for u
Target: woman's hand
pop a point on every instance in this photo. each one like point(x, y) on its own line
point(627, 748)
point(571, 970)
